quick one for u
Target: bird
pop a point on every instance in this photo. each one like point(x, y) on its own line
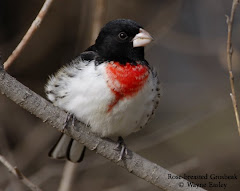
point(110, 87)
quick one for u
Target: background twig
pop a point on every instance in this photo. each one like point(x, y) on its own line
point(15, 171)
point(229, 60)
point(69, 171)
point(35, 25)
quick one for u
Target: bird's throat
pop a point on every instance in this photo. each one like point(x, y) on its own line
point(125, 80)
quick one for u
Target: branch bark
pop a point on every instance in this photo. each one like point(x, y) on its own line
point(229, 60)
point(35, 25)
point(55, 117)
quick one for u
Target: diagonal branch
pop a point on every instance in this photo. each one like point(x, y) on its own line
point(229, 60)
point(55, 117)
point(35, 25)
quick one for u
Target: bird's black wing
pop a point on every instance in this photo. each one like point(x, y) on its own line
point(89, 55)
point(92, 54)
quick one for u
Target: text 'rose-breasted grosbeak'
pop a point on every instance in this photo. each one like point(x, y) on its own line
point(110, 86)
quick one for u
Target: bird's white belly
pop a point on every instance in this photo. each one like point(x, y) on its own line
point(88, 97)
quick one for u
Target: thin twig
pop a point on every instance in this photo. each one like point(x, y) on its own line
point(14, 184)
point(229, 60)
point(55, 117)
point(15, 171)
point(35, 25)
point(69, 172)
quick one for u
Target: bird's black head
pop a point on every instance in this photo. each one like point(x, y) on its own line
point(122, 40)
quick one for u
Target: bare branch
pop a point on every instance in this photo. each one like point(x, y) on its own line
point(69, 171)
point(35, 25)
point(55, 117)
point(15, 171)
point(229, 60)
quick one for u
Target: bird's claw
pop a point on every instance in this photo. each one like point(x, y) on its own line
point(123, 152)
point(70, 116)
point(121, 146)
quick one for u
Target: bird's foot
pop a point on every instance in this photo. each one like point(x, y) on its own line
point(121, 146)
point(70, 117)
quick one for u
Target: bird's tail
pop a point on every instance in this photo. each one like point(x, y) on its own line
point(68, 148)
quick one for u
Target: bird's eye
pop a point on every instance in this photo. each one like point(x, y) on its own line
point(122, 35)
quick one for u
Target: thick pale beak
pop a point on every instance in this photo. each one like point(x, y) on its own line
point(142, 38)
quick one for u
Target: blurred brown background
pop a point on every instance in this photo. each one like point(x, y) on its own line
point(194, 131)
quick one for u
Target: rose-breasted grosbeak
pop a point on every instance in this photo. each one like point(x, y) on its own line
point(110, 86)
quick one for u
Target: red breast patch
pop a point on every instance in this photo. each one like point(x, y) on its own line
point(125, 80)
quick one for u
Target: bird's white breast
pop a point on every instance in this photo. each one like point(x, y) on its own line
point(82, 89)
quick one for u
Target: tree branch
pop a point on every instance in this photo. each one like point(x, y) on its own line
point(69, 171)
point(229, 60)
point(35, 25)
point(55, 117)
point(15, 171)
